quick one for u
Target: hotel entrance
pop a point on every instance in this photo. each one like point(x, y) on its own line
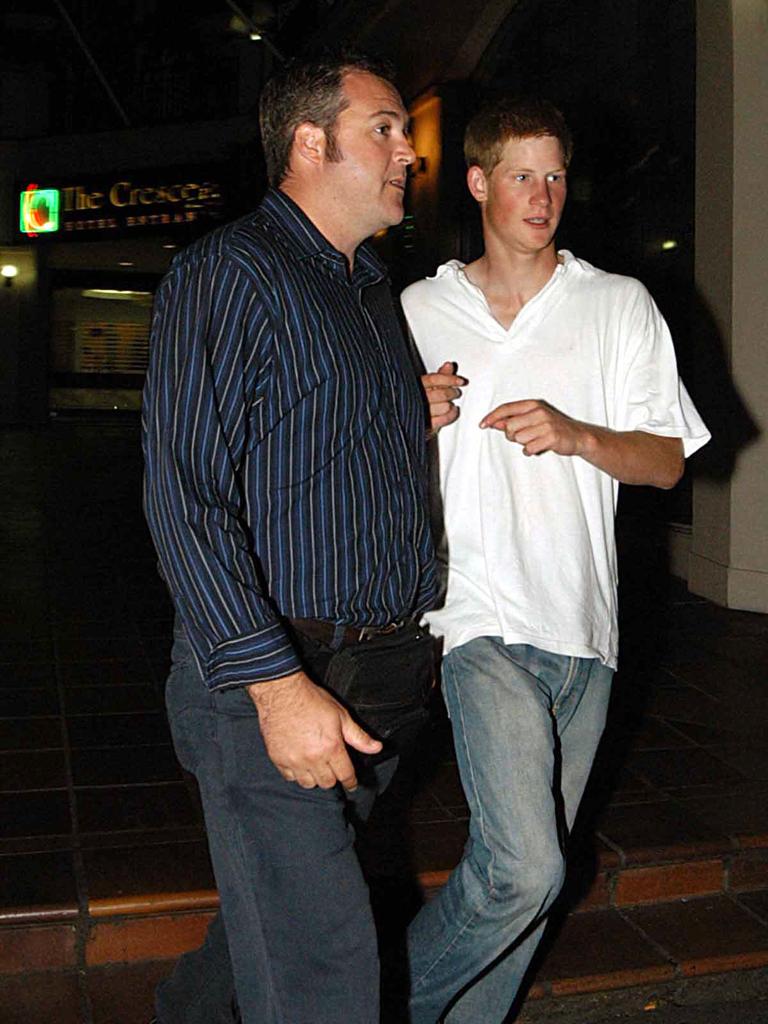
point(99, 346)
point(101, 297)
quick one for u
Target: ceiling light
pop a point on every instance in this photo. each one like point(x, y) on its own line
point(114, 293)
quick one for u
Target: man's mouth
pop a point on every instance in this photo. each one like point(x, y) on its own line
point(398, 183)
point(538, 222)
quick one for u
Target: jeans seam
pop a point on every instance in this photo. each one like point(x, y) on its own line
point(476, 910)
point(475, 793)
point(489, 897)
point(221, 723)
point(565, 689)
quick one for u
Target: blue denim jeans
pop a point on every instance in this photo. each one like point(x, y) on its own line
point(526, 725)
point(295, 941)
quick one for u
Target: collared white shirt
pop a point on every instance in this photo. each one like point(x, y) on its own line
point(529, 541)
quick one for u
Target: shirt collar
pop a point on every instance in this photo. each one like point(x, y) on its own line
point(307, 242)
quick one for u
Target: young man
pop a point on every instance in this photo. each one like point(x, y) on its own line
point(573, 388)
point(286, 495)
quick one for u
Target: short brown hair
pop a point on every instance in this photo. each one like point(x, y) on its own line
point(508, 118)
point(308, 92)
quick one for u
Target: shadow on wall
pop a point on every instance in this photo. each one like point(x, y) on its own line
point(717, 398)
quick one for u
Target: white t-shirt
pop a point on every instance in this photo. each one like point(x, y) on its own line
point(530, 547)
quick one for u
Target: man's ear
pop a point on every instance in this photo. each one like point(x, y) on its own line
point(309, 144)
point(477, 183)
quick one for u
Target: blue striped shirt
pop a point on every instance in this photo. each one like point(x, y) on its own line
point(284, 441)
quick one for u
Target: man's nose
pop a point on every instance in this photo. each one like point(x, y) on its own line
point(541, 194)
point(406, 154)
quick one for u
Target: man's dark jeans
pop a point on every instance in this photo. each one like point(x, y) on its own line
point(295, 929)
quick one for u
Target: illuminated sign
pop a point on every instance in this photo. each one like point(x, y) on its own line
point(38, 210)
point(125, 204)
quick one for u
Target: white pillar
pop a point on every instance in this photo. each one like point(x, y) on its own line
point(729, 548)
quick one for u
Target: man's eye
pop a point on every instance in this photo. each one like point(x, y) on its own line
point(556, 177)
point(521, 177)
point(383, 129)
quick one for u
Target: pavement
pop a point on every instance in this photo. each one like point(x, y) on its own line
point(739, 997)
point(104, 873)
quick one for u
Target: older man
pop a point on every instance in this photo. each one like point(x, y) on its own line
point(285, 492)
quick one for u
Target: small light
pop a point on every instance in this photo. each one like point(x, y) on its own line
point(126, 263)
point(669, 245)
point(255, 37)
point(9, 271)
point(169, 245)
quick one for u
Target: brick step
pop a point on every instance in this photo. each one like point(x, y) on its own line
point(639, 951)
point(638, 875)
point(634, 923)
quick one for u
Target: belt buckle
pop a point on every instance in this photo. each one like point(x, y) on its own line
point(370, 632)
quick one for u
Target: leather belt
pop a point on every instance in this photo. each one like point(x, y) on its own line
point(325, 632)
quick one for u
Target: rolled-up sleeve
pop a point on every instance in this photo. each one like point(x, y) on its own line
point(210, 345)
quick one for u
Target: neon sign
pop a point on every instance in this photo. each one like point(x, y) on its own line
point(129, 203)
point(38, 210)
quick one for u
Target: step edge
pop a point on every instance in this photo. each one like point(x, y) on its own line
point(38, 913)
point(142, 904)
point(430, 881)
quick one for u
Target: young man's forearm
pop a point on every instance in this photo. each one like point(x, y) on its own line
point(635, 456)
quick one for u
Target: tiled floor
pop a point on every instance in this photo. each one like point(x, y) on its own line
point(95, 812)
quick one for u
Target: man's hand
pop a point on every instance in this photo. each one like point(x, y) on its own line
point(441, 389)
point(629, 456)
point(539, 427)
point(306, 732)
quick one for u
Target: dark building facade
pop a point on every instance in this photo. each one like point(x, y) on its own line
point(142, 120)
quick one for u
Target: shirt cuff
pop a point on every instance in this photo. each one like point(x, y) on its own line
point(255, 658)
